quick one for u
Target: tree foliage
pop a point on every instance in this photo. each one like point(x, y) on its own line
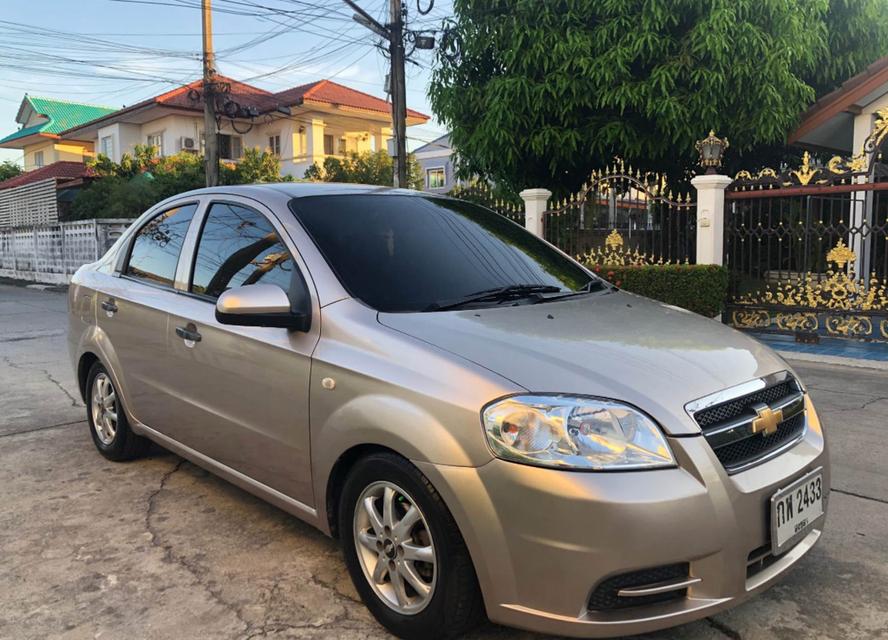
point(140, 180)
point(368, 167)
point(538, 93)
point(9, 169)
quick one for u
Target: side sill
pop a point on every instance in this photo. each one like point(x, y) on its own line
point(269, 494)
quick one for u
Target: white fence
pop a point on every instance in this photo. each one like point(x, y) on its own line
point(35, 203)
point(51, 253)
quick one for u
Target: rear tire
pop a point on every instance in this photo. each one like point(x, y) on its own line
point(427, 550)
point(108, 424)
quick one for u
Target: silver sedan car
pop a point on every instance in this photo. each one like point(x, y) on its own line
point(487, 427)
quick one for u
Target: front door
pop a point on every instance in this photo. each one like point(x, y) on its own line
point(242, 392)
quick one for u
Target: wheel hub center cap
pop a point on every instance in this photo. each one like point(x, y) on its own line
point(389, 548)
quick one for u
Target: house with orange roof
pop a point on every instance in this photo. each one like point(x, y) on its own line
point(302, 125)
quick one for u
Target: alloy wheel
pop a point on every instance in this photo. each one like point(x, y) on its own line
point(395, 547)
point(104, 408)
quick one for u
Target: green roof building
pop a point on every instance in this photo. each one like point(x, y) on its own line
point(41, 120)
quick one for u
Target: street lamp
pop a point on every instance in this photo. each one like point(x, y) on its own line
point(711, 149)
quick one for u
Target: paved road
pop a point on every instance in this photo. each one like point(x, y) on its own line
point(160, 549)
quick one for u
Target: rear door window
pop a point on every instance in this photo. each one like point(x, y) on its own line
point(239, 246)
point(157, 245)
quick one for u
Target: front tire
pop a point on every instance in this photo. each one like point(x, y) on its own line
point(404, 552)
point(108, 424)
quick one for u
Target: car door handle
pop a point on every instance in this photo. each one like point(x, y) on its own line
point(188, 334)
point(109, 306)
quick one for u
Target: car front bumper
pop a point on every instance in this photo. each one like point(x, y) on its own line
point(543, 539)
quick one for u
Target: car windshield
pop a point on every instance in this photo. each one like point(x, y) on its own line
point(401, 253)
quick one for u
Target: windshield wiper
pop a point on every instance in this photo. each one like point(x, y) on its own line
point(593, 285)
point(511, 292)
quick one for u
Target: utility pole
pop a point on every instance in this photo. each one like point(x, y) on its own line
point(394, 33)
point(399, 92)
point(211, 141)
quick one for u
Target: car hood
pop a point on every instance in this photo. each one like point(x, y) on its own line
point(614, 345)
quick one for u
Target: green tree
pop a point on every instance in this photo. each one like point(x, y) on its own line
point(538, 93)
point(368, 167)
point(9, 169)
point(140, 180)
point(255, 166)
point(857, 34)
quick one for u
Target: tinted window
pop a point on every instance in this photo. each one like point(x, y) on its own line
point(405, 253)
point(239, 246)
point(156, 248)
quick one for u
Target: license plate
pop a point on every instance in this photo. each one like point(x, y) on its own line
point(794, 509)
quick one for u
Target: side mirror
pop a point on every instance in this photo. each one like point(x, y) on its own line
point(261, 305)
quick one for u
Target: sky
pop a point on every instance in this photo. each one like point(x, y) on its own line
point(118, 52)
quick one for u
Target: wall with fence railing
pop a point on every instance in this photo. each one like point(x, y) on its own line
point(51, 253)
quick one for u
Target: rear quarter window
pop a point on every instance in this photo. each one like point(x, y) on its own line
point(156, 248)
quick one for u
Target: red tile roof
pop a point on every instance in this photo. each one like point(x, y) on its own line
point(64, 170)
point(189, 96)
point(329, 92)
point(323, 91)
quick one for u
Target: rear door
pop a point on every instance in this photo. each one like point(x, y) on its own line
point(242, 392)
point(132, 311)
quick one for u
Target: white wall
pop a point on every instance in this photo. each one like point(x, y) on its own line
point(173, 129)
point(124, 136)
point(298, 150)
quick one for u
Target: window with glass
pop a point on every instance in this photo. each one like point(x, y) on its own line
point(230, 147)
point(38, 158)
point(157, 245)
point(435, 178)
point(156, 140)
point(274, 144)
point(329, 142)
point(418, 253)
point(238, 246)
point(106, 146)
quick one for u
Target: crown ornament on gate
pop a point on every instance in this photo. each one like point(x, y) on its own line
point(615, 253)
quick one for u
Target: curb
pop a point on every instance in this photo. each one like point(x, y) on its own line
point(38, 286)
point(860, 363)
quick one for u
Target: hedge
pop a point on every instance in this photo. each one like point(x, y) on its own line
point(701, 288)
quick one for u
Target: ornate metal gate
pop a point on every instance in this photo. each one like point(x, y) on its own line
point(808, 248)
point(626, 215)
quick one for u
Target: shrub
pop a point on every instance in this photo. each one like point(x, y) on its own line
point(367, 167)
point(701, 288)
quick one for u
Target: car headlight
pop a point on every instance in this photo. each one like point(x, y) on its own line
point(570, 432)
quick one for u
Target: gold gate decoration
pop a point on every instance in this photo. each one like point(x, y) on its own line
point(840, 291)
point(615, 253)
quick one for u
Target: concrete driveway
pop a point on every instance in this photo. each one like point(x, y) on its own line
point(158, 548)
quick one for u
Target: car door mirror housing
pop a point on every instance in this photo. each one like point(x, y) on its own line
point(262, 305)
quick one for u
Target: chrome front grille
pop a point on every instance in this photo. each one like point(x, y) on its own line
point(754, 422)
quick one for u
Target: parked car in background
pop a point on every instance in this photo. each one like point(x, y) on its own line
point(486, 426)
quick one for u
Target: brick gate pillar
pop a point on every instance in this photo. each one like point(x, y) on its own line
point(711, 217)
point(535, 203)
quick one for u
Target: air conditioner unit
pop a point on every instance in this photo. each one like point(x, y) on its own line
point(187, 144)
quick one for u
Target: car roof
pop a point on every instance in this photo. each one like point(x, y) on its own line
point(303, 189)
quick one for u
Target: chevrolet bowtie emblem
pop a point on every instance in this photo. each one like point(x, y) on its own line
point(767, 420)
